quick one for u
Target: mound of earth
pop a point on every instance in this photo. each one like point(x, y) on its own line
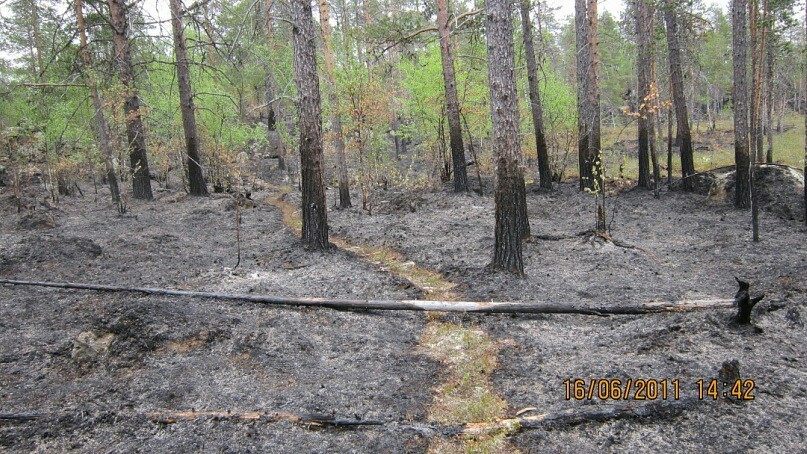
point(780, 189)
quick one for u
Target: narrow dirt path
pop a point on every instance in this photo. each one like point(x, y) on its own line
point(467, 353)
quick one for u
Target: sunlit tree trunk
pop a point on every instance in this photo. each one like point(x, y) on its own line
point(504, 113)
point(135, 133)
point(100, 122)
point(452, 100)
point(196, 180)
point(544, 173)
point(314, 208)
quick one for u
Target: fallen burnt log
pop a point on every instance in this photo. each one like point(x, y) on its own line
point(309, 419)
point(507, 307)
point(584, 414)
point(554, 419)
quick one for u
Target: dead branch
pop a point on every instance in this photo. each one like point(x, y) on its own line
point(558, 418)
point(52, 85)
point(269, 417)
point(409, 305)
point(583, 414)
point(20, 417)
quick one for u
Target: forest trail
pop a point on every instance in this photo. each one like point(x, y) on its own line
point(468, 353)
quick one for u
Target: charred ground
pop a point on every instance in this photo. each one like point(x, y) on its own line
point(96, 364)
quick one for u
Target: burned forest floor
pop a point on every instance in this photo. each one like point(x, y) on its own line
point(128, 372)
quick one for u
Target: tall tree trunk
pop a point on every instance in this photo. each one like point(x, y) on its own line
point(196, 179)
point(669, 145)
point(583, 64)
point(679, 98)
point(98, 106)
point(452, 101)
point(753, 27)
point(644, 27)
point(769, 87)
point(544, 173)
point(272, 136)
point(336, 119)
point(135, 133)
point(594, 145)
point(805, 136)
point(739, 93)
point(504, 113)
point(314, 208)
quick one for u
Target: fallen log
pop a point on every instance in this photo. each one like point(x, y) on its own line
point(323, 420)
point(583, 414)
point(20, 417)
point(482, 307)
point(559, 418)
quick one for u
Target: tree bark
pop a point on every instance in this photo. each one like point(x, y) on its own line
point(544, 173)
point(769, 87)
point(742, 161)
point(805, 138)
point(101, 126)
point(452, 101)
point(582, 65)
point(135, 133)
point(196, 180)
point(506, 148)
point(272, 136)
point(593, 95)
point(336, 119)
point(314, 208)
point(679, 98)
point(644, 27)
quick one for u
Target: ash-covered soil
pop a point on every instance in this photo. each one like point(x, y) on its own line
point(680, 246)
point(95, 364)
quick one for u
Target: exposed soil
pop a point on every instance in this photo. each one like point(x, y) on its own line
point(96, 363)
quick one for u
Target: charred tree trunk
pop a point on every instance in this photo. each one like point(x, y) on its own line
point(744, 302)
point(135, 133)
point(583, 64)
point(98, 106)
point(196, 179)
point(336, 119)
point(769, 87)
point(314, 208)
point(644, 27)
point(452, 101)
point(544, 173)
point(504, 113)
point(669, 145)
point(742, 188)
point(679, 98)
point(594, 145)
